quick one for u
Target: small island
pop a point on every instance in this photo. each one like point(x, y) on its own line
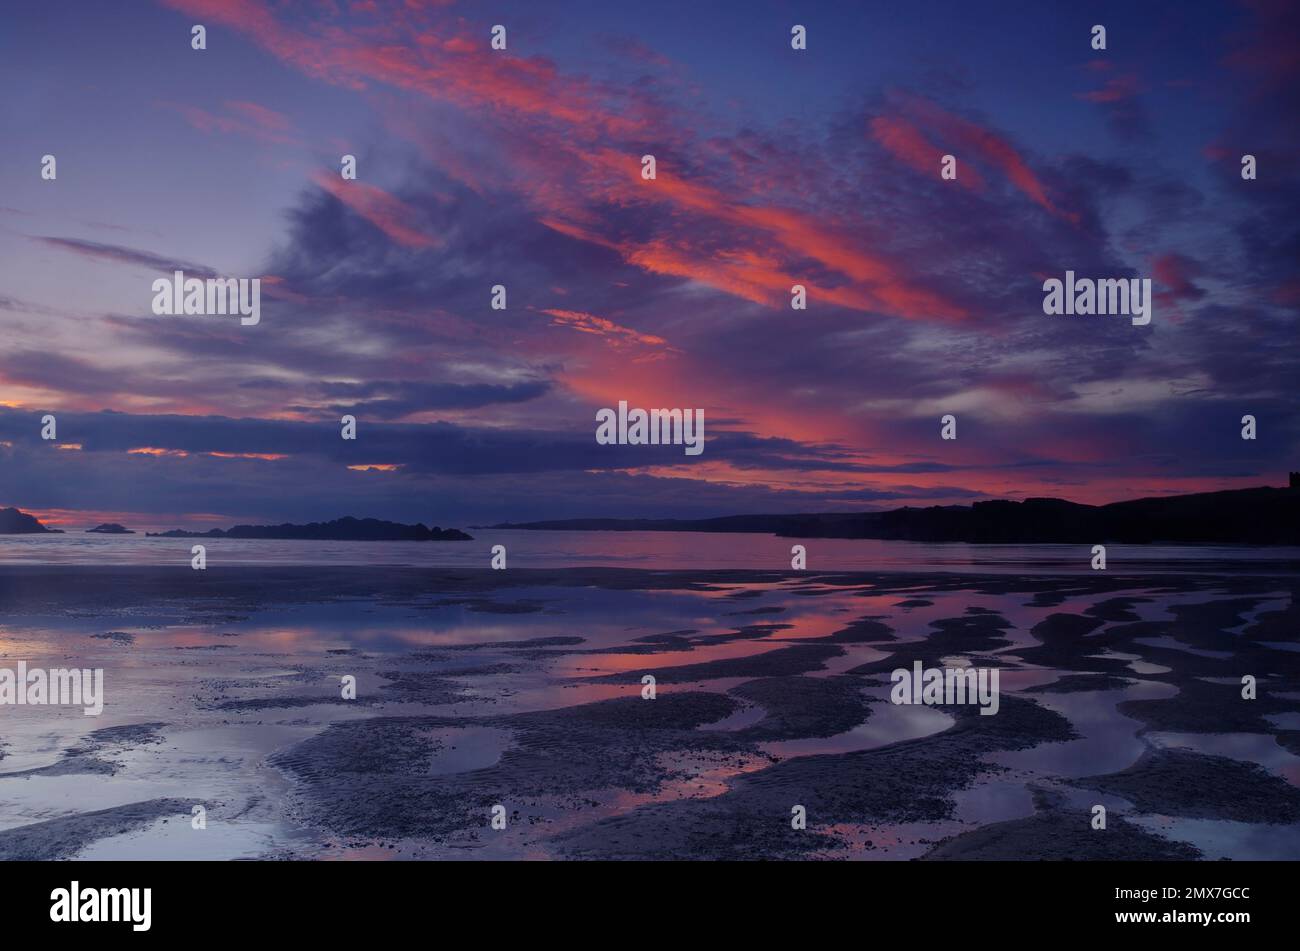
point(109, 528)
point(346, 529)
point(14, 522)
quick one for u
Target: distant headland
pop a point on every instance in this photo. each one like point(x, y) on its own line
point(1262, 516)
point(346, 529)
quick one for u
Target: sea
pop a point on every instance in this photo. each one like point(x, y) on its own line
point(661, 551)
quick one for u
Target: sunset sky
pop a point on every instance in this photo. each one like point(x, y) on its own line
point(775, 167)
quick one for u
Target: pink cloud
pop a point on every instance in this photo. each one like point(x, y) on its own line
point(241, 118)
point(389, 214)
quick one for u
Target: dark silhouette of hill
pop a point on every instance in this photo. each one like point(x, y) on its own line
point(14, 522)
point(347, 529)
point(1262, 516)
point(109, 528)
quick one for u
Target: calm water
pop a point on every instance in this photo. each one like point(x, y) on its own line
point(648, 550)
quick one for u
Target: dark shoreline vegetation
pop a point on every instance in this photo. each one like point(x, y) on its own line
point(755, 712)
point(1261, 516)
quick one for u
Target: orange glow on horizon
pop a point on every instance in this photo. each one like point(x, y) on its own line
point(155, 451)
point(265, 456)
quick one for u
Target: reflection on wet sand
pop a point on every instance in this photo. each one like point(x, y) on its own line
point(772, 691)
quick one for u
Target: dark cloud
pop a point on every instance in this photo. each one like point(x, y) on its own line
point(118, 254)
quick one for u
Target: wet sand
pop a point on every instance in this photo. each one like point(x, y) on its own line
point(523, 689)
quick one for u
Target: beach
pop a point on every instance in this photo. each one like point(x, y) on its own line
point(525, 689)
